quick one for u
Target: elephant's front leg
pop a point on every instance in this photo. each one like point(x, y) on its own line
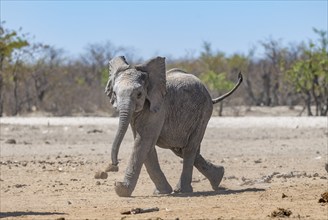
point(146, 132)
point(156, 174)
point(139, 153)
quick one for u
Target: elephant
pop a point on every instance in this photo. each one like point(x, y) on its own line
point(168, 109)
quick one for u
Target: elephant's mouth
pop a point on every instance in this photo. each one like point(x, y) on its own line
point(138, 108)
point(140, 104)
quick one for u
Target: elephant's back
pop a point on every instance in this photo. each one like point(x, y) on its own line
point(182, 86)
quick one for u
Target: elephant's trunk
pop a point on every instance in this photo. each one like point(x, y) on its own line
point(124, 120)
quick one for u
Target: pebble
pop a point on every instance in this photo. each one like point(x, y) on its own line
point(101, 175)
point(10, 141)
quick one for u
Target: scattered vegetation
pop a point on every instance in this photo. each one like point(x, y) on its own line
point(309, 75)
point(38, 77)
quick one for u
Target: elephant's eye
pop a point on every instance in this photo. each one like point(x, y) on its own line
point(139, 95)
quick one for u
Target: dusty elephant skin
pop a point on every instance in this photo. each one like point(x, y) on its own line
point(168, 109)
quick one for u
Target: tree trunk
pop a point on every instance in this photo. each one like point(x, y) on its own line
point(15, 94)
point(250, 92)
point(220, 108)
point(266, 89)
point(275, 98)
point(308, 103)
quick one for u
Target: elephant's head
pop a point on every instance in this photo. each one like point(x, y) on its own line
point(130, 87)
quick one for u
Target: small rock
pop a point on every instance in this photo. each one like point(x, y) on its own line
point(324, 198)
point(326, 167)
point(195, 180)
point(101, 175)
point(284, 195)
point(234, 177)
point(20, 185)
point(10, 141)
point(98, 183)
point(281, 213)
point(95, 131)
point(258, 161)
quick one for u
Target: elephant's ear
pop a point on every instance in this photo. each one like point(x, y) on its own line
point(157, 81)
point(115, 65)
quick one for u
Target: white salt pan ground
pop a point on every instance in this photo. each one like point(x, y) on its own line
point(230, 122)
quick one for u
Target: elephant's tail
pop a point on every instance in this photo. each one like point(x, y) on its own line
point(240, 79)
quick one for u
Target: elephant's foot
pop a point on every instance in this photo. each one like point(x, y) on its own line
point(215, 176)
point(122, 189)
point(167, 190)
point(184, 189)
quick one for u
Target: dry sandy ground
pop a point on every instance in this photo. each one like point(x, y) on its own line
point(48, 166)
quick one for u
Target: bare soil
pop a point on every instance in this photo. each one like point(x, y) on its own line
point(48, 169)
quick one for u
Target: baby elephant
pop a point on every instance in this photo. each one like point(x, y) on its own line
point(168, 109)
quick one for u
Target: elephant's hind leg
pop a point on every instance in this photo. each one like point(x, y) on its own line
point(212, 172)
point(156, 174)
point(188, 155)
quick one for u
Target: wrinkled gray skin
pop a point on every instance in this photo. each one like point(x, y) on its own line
point(170, 110)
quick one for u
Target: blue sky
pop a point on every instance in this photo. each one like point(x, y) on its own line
point(166, 28)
